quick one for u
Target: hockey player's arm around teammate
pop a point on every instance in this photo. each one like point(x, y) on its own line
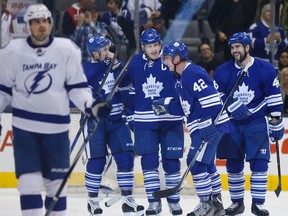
point(39, 74)
point(201, 103)
point(258, 94)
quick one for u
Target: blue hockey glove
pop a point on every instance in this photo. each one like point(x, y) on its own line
point(129, 114)
point(206, 128)
point(160, 106)
point(99, 109)
point(276, 130)
point(238, 110)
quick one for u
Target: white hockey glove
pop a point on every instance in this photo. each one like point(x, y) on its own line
point(238, 110)
point(160, 106)
point(276, 130)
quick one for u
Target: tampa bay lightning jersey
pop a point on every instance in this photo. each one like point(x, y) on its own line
point(95, 72)
point(258, 32)
point(39, 81)
point(199, 98)
point(152, 80)
point(259, 89)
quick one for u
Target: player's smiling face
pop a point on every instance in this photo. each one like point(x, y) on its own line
point(40, 28)
point(237, 51)
point(152, 50)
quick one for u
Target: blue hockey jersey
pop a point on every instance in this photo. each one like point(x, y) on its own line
point(95, 72)
point(259, 89)
point(199, 98)
point(151, 80)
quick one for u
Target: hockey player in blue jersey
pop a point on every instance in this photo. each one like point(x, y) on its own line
point(148, 76)
point(200, 102)
point(257, 96)
point(39, 74)
point(112, 132)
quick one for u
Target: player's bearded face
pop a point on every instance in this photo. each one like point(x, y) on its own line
point(40, 28)
point(238, 52)
point(152, 50)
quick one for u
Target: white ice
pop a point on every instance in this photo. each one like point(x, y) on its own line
point(9, 204)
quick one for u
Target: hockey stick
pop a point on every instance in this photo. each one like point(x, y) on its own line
point(88, 137)
point(171, 191)
point(117, 43)
point(279, 187)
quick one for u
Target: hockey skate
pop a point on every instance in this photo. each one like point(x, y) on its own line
point(130, 206)
point(203, 209)
point(218, 206)
point(155, 208)
point(93, 206)
point(175, 208)
point(259, 209)
point(235, 209)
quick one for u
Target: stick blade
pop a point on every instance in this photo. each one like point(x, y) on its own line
point(165, 193)
point(278, 190)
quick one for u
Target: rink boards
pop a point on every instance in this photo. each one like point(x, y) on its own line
point(8, 180)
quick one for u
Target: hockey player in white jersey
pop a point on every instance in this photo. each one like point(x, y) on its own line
point(112, 132)
point(39, 74)
point(257, 97)
point(148, 76)
point(200, 102)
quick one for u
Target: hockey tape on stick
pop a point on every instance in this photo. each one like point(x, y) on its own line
point(112, 201)
point(171, 191)
point(127, 30)
point(279, 187)
point(117, 43)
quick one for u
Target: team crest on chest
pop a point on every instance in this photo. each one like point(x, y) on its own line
point(109, 83)
point(152, 88)
point(244, 94)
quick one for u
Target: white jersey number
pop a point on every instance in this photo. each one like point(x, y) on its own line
point(199, 85)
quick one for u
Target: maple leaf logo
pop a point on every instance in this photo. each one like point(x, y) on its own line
point(243, 94)
point(152, 88)
point(185, 106)
point(109, 83)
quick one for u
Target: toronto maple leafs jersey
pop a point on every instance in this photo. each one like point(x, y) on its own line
point(95, 72)
point(199, 98)
point(39, 81)
point(152, 80)
point(259, 89)
point(258, 32)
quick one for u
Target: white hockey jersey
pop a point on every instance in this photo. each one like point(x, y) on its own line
point(39, 81)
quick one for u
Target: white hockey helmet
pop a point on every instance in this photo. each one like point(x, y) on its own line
point(36, 11)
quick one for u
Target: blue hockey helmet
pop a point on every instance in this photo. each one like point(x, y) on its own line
point(96, 42)
point(240, 37)
point(176, 48)
point(150, 36)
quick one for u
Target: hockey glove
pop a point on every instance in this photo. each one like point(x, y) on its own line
point(206, 128)
point(160, 106)
point(129, 114)
point(276, 130)
point(238, 110)
point(100, 109)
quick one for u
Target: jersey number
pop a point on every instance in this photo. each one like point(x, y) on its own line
point(199, 85)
